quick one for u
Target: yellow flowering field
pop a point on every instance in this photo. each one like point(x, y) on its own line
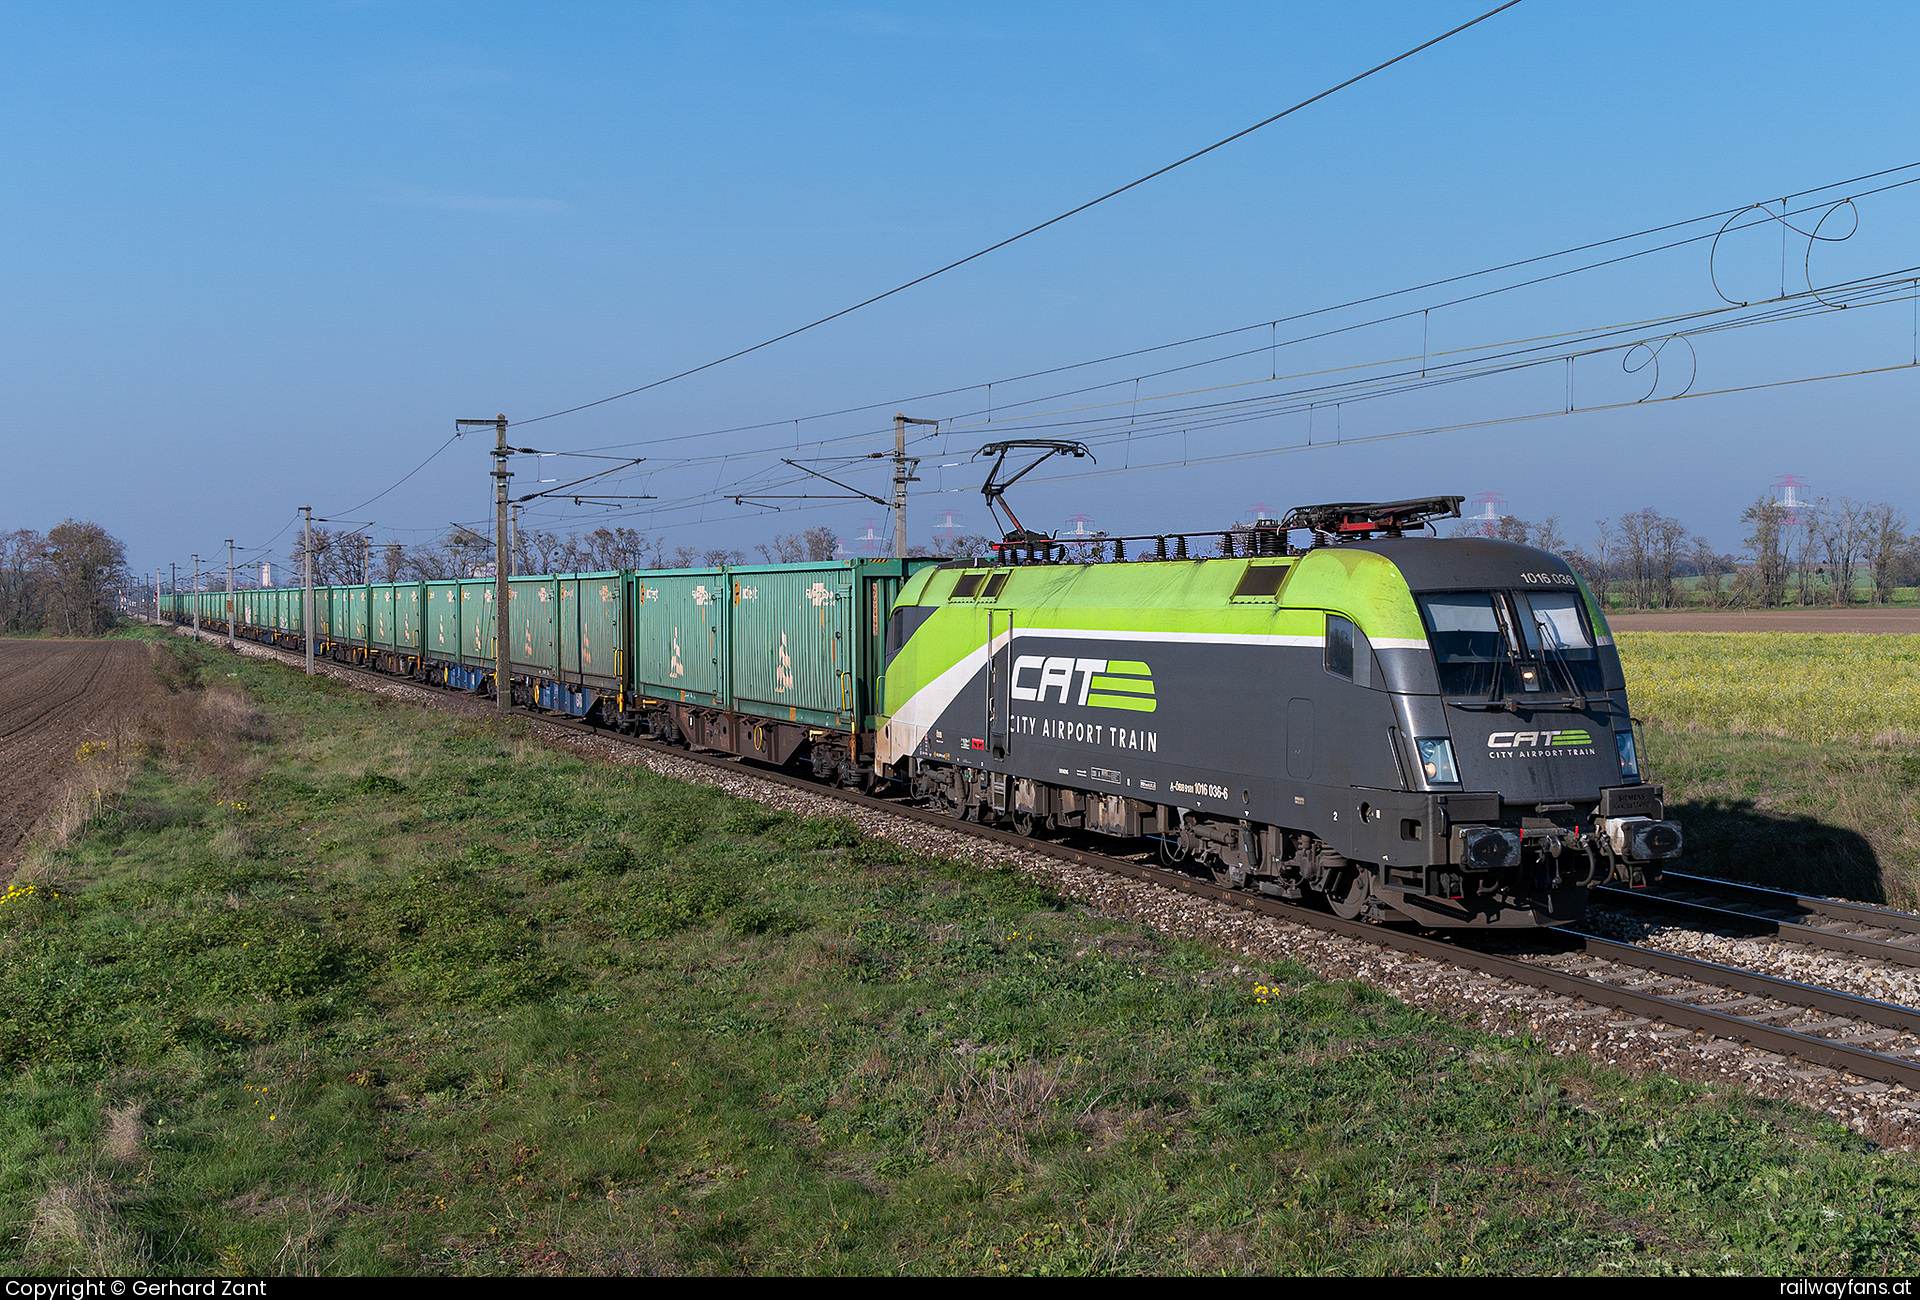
point(1799, 685)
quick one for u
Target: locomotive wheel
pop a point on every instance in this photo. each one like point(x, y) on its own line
point(1348, 895)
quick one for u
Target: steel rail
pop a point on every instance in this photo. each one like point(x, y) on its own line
point(1813, 997)
point(1832, 1053)
point(1883, 918)
point(1812, 936)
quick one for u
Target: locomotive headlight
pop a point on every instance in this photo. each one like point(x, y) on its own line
point(1641, 839)
point(1489, 848)
point(1436, 760)
point(1629, 757)
point(1660, 840)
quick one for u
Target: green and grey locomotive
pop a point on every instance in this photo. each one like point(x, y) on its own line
point(1435, 729)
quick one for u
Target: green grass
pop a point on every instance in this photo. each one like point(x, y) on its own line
point(1820, 819)
point(1855, 689)
point(368, 990)
point(1790, 758)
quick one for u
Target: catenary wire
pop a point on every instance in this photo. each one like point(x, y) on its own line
point(1032, 230)
point(1321, 311)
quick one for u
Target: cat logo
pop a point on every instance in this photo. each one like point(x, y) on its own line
point(1102, 683)
point(820, 594)
point(1540, 739)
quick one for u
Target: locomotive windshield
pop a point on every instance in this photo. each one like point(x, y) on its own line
point(1522, 639)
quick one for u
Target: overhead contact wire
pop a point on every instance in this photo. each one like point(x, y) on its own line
point(1034, 230)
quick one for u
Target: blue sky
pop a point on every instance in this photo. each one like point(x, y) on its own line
point(261, 256)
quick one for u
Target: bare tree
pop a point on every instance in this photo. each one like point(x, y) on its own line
point(85, 565)
point(1885, 534)
point(604, 549)
point(328, 570)
point(1767, 544)
point(356, 557)
point(965, 544)
point(1839, 528)
point(1605, 556)
point(1806, 563)
point(1712, 568)
point(1668, 538)
point(812, 544)
point(464, 554)
point(1651, 545)
point(1636, 557)
point(1547, 536)
point(23, 559)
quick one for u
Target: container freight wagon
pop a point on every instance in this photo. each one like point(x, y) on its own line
point(763, 660)
point(565, 641)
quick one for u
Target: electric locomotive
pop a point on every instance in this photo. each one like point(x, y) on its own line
point(1410, 727)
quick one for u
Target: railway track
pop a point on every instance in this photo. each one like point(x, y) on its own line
point(1822, 1026)
point(1856, 929)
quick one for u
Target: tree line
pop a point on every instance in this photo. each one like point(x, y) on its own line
point(1837, 551)
point(64, 582)
point(344, 558)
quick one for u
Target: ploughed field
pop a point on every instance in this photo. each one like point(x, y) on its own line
point(56, 696)
point(1878, 621)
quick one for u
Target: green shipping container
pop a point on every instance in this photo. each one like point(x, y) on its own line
point(476, 622)
point(679, 632)
point(793, 655)
point(442, 622)
point(534, 619)
point(409, 604)
point(590, 631)
point(380, 616)
point(809, 640)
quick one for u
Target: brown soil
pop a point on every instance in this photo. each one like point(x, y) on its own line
point(54, 697)
point(1770, 620)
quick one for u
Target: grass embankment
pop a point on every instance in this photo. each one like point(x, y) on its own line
point(351, 987)
point(1793, 759)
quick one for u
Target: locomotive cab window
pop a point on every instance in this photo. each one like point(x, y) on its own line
point(1524, 642)
point(1339, 646)
point(1470, 639)
point(905, 622)
point(1556, 633)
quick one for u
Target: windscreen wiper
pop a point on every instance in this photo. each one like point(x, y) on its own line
point(1554, 656)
